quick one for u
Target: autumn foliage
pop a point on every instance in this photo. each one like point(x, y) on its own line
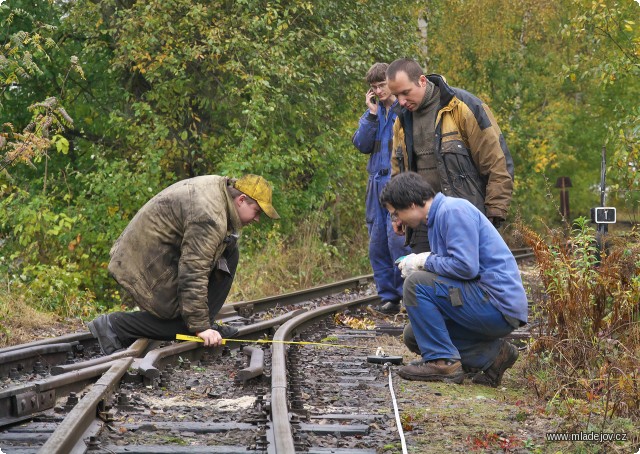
point(584, 354)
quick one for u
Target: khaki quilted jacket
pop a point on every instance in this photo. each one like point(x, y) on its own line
point(165, 255)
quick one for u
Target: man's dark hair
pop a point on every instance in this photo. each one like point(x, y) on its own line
point(377, 73)
point(405, 189)
point(407, 65)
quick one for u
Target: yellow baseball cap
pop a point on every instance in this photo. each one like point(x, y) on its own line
point(259, 190)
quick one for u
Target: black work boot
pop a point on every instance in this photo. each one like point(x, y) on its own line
point(226, 331)
point(388, 307)
point(492, 376)
point(107, 338)
point(451, 372)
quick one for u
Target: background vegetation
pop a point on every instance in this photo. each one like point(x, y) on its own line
point(584, 354)
point(103, 104)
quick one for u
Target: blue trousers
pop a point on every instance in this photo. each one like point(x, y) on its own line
point(384, 245)
point(453, 319)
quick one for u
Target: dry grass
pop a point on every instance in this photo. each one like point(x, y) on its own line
point(18, 320)
point(585, 356)
point(303, 262)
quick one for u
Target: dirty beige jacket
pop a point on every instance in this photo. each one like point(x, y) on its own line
point(165, 255)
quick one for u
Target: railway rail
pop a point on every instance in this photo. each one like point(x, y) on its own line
point(62, 396)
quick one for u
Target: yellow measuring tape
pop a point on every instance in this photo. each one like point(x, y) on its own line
point(264, 341)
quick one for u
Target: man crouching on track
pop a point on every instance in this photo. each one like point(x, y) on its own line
point(464, 296)
point(177, 259)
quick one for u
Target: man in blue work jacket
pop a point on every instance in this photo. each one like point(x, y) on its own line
point(465, 295)
point(374, 137)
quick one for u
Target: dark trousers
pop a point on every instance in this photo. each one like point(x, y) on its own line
point(130, 326)
point(419, 239)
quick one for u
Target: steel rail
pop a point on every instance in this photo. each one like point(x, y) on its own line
point(256, 364)
point(70, 431)
point(262, 304)
point(135, 350)
point(24, 356)
point(281, 421)
point(36, 399)
point(21, 402)
point(149, 365)
point(67, 338)
point(27, 358)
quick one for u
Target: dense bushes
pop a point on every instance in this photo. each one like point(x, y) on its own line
point(585, 355)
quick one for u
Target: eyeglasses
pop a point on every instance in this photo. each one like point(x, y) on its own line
point(394, 215)
point(379, 86)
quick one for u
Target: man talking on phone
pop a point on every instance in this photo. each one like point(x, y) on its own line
point(374, 137)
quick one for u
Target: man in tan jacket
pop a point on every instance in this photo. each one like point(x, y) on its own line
point(177, 259)
point(451, 138)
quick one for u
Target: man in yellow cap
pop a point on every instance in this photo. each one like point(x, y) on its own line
point(177, 259)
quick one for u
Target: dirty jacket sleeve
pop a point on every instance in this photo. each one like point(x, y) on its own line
point(201, 245)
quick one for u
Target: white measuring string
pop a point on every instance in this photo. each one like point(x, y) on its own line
point(395, 409)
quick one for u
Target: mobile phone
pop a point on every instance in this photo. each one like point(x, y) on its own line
point(373, 100)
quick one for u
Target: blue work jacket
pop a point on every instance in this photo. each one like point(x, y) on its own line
point(374, 137)
point(466, 246)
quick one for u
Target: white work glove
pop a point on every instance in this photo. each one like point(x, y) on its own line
point(411, 263)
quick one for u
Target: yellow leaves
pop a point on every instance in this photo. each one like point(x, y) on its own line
point(143, 59)
point(74, 243)
point(140, 69)
point(61, 143)
point(627, 383)
point(353, 322)
point(542, 156)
